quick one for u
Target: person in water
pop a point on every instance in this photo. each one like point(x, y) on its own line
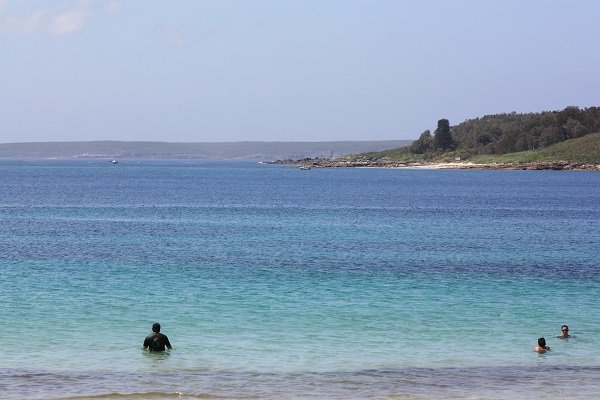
point(156, 341)
point(565, 332)
point(541, 347)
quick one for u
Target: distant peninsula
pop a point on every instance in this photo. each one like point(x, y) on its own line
point(553, 140)
point(258, 151)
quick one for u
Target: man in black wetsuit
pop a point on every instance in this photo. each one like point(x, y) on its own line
point(156, 341)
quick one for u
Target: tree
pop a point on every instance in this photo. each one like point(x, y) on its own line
point(573, 128)
point(443, 138)
point(423, 144)
point(551, 135)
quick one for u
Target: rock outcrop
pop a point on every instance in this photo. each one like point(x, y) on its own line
point(383, 163)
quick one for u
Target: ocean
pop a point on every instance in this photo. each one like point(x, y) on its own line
point(272, 282)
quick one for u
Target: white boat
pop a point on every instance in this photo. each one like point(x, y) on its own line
point(114, 162)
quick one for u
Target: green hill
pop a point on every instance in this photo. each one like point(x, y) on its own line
point(543, 136)
point(584, 150)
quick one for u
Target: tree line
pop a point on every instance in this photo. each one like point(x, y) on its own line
point(508, 133)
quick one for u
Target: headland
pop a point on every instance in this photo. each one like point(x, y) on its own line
point(349, 162)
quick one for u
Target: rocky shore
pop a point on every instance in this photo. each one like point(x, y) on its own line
point(308, 163)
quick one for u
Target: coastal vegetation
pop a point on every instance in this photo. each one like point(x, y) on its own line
point(567, 135)
point(583, 150)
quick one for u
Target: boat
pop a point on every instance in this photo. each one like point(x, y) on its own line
point(304, 167)
point(114, 162)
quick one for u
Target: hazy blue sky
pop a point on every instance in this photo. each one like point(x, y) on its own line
point(225, 70)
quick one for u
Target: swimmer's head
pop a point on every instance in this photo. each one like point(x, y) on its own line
point(564, 328)
point(156, 327)
point(542, 342)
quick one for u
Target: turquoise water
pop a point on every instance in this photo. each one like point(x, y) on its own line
point(277, 283)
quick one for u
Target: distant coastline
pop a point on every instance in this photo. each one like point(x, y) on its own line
point(259, 151)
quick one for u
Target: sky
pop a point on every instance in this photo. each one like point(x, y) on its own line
point(286, 70)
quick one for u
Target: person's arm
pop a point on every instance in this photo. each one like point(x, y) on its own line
point(167, 343)
point(145, 345)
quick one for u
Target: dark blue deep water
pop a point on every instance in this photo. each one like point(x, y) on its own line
point(273, 282)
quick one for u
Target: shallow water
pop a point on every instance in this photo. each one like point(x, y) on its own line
point(273, 282)
point(413, 383)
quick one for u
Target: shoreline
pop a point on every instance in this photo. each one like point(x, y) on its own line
point(528, 166)
point(458, 383)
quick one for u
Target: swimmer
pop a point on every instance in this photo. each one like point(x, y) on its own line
point(541, 347)
point(565, 332)
point(156, 341)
